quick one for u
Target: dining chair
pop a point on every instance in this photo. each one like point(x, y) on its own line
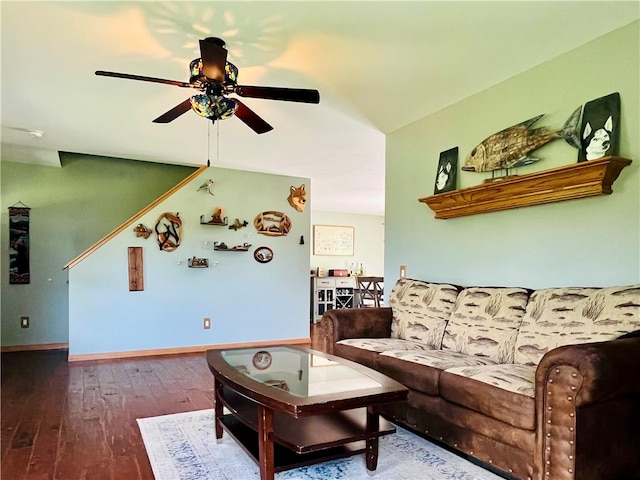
point(370, 291)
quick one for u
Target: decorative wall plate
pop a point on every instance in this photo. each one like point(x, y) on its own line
point(262, 360)
point(263, 254)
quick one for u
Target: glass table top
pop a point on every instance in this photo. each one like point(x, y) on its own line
point(298, 372)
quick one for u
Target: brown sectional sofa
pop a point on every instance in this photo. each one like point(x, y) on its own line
point(540, 384)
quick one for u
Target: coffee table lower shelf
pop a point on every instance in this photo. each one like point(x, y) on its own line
point(285, 459)
point(303, 440)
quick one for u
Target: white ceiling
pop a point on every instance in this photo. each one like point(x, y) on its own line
point(378, 66)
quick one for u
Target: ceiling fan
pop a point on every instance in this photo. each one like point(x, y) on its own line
point(216, 78)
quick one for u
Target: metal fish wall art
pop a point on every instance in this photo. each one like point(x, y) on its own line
point(511, 147)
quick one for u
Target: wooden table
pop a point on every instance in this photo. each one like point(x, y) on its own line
point(295, 406)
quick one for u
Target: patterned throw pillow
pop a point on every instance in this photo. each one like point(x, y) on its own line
point(485, 322)
point(421, 310)
point(564, 316)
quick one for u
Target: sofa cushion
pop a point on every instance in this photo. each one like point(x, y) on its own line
point(511, 377)
point(384, 344)
point(503, 391)
point(572, 315)
point(420, 369)
point(485, 322)
point(421, 310)
point(368, 358)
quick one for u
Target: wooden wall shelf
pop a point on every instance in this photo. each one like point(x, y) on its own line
point(578, 180)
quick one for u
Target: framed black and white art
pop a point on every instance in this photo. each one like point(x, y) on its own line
point(447, 174)
point(600, 132)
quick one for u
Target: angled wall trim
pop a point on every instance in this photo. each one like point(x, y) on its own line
point(129, 222)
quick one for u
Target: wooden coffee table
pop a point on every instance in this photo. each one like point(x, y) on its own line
point(294, 406)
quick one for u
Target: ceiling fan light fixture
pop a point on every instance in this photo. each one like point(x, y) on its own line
point(195, 71)
point(213, 107)
point(230, 73)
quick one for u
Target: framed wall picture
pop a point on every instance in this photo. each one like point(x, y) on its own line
point(333, 240)
point(263, 254)
point(19, 269)
point(447, 174)
point(600, 132)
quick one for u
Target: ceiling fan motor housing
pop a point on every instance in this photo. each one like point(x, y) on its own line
point(197, 75)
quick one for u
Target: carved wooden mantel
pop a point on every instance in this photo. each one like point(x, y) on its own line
point(578, 180)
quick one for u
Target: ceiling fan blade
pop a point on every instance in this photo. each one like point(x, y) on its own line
point(277, 93)
point(214, 58)
point(175, 112)
point(144, 79)
point(251, 118)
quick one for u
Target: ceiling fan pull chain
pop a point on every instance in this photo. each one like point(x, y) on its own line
point(208, 145)
point(218, 142)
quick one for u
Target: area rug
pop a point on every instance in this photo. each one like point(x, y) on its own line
point(183, 446)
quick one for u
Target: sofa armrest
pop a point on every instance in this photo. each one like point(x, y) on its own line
point(586, 401)
point(344, 323)
point(598, 371)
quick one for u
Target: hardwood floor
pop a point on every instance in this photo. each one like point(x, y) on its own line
point(72, 421)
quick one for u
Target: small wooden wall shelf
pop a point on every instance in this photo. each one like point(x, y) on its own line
point(578, 180)
point(223, 222)
point(237, 248)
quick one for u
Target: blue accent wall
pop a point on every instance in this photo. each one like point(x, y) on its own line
point(247, 301)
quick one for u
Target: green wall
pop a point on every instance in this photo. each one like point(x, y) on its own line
point(247, 301)
point(590, 242)
point(72, 207)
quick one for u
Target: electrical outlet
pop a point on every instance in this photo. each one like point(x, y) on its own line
point(24, 322)
point(206, 323)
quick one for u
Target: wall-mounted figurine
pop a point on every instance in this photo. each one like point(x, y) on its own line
point(142, 231)
point(272, 223)
point(298, 197)
point(238, 224)
point(600, 128)
point(217, 215)
point(207, 186)
point(216, 219)
point(510, 147)
point(169, 231)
